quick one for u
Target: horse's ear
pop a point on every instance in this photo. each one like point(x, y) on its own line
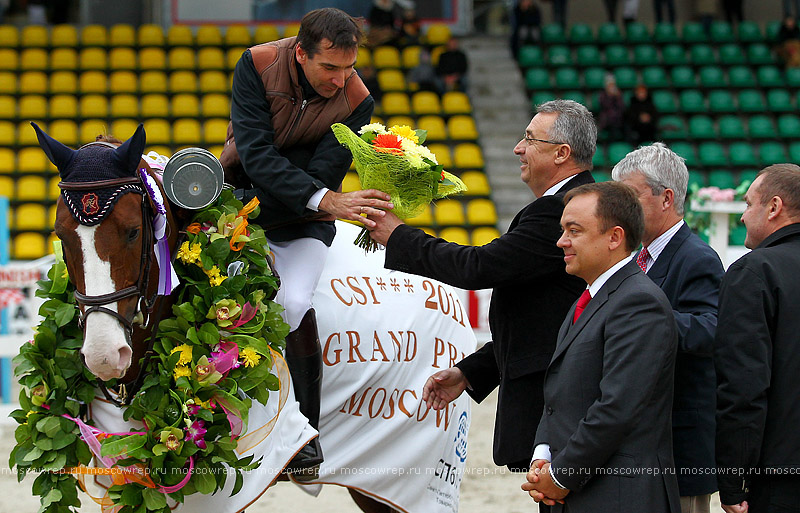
point(59, 155)
point(129, 153)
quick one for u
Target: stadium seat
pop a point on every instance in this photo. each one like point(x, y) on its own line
point(748, 175)
point(462, 128)
point(182, 82)
point(152, 58)
point(234, 54)
point(265, 33)
point(158, 131)
point(211, 58)
point(7, 186)
point(609, 33)
point(721, 32)
point(741, 76)
point(481, 212)
point(9, 36)
point(711, 76)
point(617, 55)
point(65, 131)
point(792, 76)
point(664, 101)
point(731, 54)
point(617, 151)
point(30, 82)
point(588, 55)
point(476, 182)
point(672, 127)
point(89, 129)
point(180, 35)
point(483, 235)
point(673, 55)
point(665, 33)
point(395, 104)
point(214, 82)
point(789, 126)
point(187, 132)
point(425, 102)
point(772, 153)
point(32, 106)
point(558, 55)
point(692, 101)
point(150, 34)
point(351, 182)
point(712, 154)
point(702, 55)
point(180, 58)
point(599, 158)
point(122, 58)
point(386, 57)
point(53, 191)
point(720, 100)
point(594, 78)
point(581, 33)
point(751, 100)
point(63, 59)
point(434, 126)
point(208, 35)
point(749, 32)
point(449, 212)
point(215, 105)
point(124, 106)
point(30, 216)
point(93, 58)
point(9, 60)
point(759, 53)
point(687, 151)
point(682, 76)
point(770, 76)
point(530, 56)
point(425, 218)
point(636, 33)
point(794, 151)
point(537, 78)
point(468, 156)
point(436, 34)
point(33, 59)
point(567, 78)
point(721, 178)
point(455, 234)
point(27, 137)
point(215, 130)
point(779, 100)
point(34, 36)
point(93, 82)
point(693, 32)
point(399, 121)
point(8, 82)
point(761, 127)
point(31, 160)
point(8, 137)
point(442, 152)
point(645, 55)
point(238, 35)
point(731, 127)
point(63, 106)
point(456, 102)
point(701, 127)
point(742, 154)
point(8, 107)
point(126, 82)
point(626, 77)
point(122, 34)
point(28, 246)
point(391, 80)
point(93, 105)
point(553, 33)
point(184, 106)
point(94, 35)
point(154, 106)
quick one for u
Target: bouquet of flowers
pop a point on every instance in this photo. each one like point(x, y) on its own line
point(395, 161)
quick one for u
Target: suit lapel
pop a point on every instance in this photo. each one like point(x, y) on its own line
point(658, 273)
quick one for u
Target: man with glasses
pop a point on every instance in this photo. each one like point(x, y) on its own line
point(531, 290)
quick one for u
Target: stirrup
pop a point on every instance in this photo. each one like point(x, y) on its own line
point(304, 466)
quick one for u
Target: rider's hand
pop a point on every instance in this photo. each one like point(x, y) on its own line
point(443, 387)
point(350, 205)
point(384, 226)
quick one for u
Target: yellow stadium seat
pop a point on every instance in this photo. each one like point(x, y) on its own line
point(209, 35)
point(215, 130)
point(33, 58)
point(126, 82)
point(484, 235)
point(180, 35)
point(211, 58)
point(90, 129)
point(379, 119)
point(153, 82)
point(410, 56)
point(391, 80)
point(364, 57)
point(64, 131)
point(7, 186)
point(63, 82)
point(28, 246)
point(449, 212)
point(53, 190)
point(124, 106)
point(481, 212)
point(396, 104)
point(351, 182)
point(64, 35)
point(425, 218)
point(8, 165)
point(63, 106)
point(161, 150)
point(32, 106)
point(122, 58)
point(26, 136)
point(265, 33)
point(291, 30)
point(94, 35)
point(185, 106)
point(154, 106)
point(442, 152)
point(214, 82)
point(186, 131)
point(435, 127)
point(437, 34)
point(8, 107)
point(386, 57)
point(93, 82)
point(233, 55)
point(122, 129)
point(476, 182)
point(425, 102)
point(152, 58)
point(93, 58)
point(180, 57)
point(31, 160)
point(158, 132)
point(150, 34)
point(93, 105)
point(49, 244)
point(462, 128)
point(455, 234)
point(30, 216)
point(216, 150)
point(51, 216)
point(8, 82)
point(122, 34)
point(238, 35)
point(8, 135)
point(215, 105)
point(183, 82)
point(9, 36)
point(33, 82)
point(9, 60)
point(400, 121)
point(34, 36)
point(468, 156)
point(456, 102)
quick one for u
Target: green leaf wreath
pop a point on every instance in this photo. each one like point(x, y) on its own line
point(192, 412)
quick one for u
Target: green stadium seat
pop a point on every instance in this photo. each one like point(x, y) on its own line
point(617, 55)
point(553, 33)
point(737, 235)
point(721, 178)
point(779, 100)
point(712, 154)
point(761, 127)
point(751, 100)
point(789, 126)
point(673, 55)
point(599, 157)
point(702, 54)
point(664, 101)
point(530, 56)
point(588, 55)
point(693, 32)
point(683, 76)
point(794, 151)
point(617, 151)
point(770, 76)
point(636, 33)
point(687, 151)
point(692, 101)
point(720, 100)
point(772, 30)
point(721, 32)
point(742, 154)
point(731, 54)
point(581, 33)
point(609, 33)
point(537, 78)
point(645, 55)
point(697, 178)
point(665, 33)
point(594, 78)
point(749, 32)
point(772, 153)
point(567, 78)
point(748, 175)
point(759, 53)
point(626, 77)
point(741, 76)
point(792, 76)
point(711, 76)
point(601, 176)
point(701, 127)
point(576, 96)
point(672, 127)
point(558, 55)
point(731, 127)
point(655, 77)
point(540, 97)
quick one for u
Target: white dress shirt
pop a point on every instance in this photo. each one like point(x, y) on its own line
point(659, 243)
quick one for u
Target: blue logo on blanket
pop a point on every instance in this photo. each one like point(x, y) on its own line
point(461, 437)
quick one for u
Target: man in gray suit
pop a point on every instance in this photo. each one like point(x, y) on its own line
point(604, 440)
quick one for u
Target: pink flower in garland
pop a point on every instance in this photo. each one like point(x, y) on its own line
point(196, 432)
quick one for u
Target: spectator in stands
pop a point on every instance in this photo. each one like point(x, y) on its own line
point(525, 25)
point(452, 67)
point(788, 44)
point(659, 6)
point(560, 12)
point(410, 28)
point(612, 110)
point(383, 23)
point(532, 292)
point(370, 79)
point(734, 10)
point(787, 8)
point(689, 272)
point(641, 117)
point(422, 77)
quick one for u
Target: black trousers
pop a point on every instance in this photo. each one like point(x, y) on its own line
point(775, 495)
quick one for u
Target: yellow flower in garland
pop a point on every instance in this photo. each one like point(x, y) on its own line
point(189, 254)
point(181, 371)
point(214, 276)
point(186, 353)
point(405, 132)
point(250, 357)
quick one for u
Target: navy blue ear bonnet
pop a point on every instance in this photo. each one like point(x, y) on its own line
point(92, 163)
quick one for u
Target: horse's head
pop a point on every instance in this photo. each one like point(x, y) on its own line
point(106, 240)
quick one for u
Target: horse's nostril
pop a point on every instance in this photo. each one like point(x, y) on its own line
point(125, 355)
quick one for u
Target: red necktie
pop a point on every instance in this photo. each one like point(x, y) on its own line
point(642, 259)
point(582, 302)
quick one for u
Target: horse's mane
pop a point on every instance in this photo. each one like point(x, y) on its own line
point(107, 138)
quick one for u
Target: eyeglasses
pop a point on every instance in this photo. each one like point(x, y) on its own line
point(530, 140)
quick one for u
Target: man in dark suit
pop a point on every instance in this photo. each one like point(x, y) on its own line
point(531, 292)
point(604, 442)
point(689, 272)
point(757, 354)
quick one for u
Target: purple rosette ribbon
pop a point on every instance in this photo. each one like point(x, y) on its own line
point(167, 279)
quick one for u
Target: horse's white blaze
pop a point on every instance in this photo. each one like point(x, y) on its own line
point(104, 346)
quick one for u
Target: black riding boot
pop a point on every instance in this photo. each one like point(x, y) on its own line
point(304, 357)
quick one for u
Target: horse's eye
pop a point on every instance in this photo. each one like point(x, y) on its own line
point(133, 234)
